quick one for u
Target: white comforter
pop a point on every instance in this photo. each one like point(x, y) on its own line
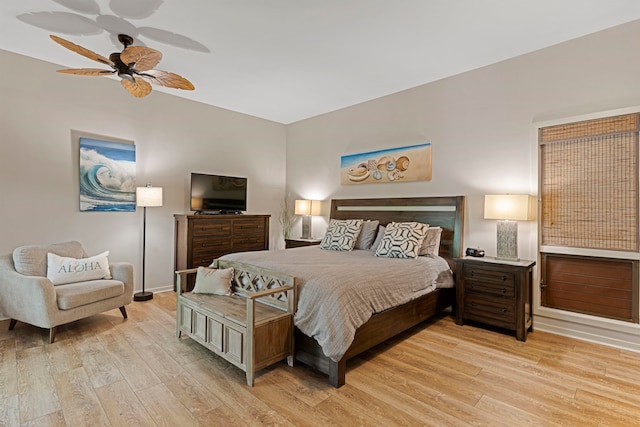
point(339, 291)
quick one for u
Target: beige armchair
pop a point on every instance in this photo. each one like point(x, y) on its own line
point(26, 295)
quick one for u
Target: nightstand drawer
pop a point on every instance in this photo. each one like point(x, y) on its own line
point(473, 272)
point(501, 289)
point(491, 310)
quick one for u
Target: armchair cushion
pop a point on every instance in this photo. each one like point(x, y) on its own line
point(32, 260)
point(61, 270)
point(81, 293)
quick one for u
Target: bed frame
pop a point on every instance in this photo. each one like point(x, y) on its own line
point(446, 212)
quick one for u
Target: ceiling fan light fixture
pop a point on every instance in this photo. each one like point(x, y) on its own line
point(133, 65)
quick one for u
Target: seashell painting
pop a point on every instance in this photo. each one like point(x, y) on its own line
point(393, 165)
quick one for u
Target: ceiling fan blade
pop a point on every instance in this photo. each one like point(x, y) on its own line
point(81, 50)
point(144, 58)
point(87, 71)
point(138, 87)
point(167, 79)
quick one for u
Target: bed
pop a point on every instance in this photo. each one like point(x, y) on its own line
point(419, 305)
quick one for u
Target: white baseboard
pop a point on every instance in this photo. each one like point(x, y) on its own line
point(621, 335)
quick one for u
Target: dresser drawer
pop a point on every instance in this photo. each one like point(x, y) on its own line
point(204, 259)
point(248, 227)
point(492, 310)
point(207, 244)
point(248, 243)
point(212, 228)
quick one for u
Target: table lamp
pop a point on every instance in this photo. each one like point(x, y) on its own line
point(508, 209)
point(306, 208)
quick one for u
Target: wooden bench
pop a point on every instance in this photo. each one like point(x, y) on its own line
point(253, 328)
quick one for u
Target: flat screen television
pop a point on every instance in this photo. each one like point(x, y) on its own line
point(218, 194)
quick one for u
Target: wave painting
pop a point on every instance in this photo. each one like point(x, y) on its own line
point(107, 176)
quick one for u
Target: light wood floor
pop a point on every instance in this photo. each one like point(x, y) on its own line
point(105, 371)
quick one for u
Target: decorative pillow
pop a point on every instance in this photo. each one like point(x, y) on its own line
point(402, 240)
point(61, 270)
point(367, 234)
point(431, 242)
point(32, 260)
point(213, 281)
point(341, 234)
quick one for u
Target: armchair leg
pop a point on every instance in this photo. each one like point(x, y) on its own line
point(52, 334)
point(12, 324)
point(123, 311)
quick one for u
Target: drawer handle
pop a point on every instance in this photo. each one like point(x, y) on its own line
point(504, 290)
point(504, 310)
point(504, 278)
point(219, 227)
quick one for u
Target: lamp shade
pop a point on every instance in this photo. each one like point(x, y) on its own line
point(307, 207)
point(516, 207)
point(149, 196)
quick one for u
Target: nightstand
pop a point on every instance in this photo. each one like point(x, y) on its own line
point(296, 243)
point(495, 292)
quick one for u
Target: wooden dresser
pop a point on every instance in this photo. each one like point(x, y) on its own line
point(495, 292)
point(199, 239)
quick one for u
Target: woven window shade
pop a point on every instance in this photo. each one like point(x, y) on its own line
point(589, 184)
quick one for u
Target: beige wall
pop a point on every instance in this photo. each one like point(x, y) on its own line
point(479, 123)
point(39, 108)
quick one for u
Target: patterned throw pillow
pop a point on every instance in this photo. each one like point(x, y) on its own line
point(402, 240)
point(431, 242)
point(341, 235)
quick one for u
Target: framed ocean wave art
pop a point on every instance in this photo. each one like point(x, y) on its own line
point(402, 164)
point(107, 175)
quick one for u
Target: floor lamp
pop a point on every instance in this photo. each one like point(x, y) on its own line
point(147, 196)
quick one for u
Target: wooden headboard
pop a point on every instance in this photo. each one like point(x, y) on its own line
point(445, 212)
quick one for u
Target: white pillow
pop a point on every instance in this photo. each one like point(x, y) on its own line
point(213, 281)
point(367, 234)
point(431, 242)
point(341, 234)
point(62, 270)
point(402, 240)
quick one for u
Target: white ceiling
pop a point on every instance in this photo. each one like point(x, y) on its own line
point(287, 60)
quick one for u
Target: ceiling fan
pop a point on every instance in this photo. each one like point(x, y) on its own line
point(133, 65)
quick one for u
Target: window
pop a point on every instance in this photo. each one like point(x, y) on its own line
point(589, 193)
